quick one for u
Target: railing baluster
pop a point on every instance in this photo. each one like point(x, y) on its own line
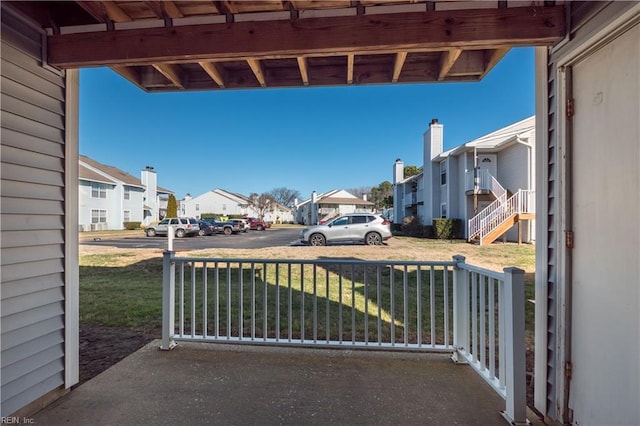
point(393, 307)
point(405, 301)
point(340, 303)
point(302, 303)
point(277, 302)
point(216, 300)
point(315, 303)
point(366, 306)
point(432, 303)
point(193, 299)
point(241, 303)
point(501, 334)
point(379, 300)
point(265, 304)
point(492, 329)
point(204, 300)
point(445, 291)
point(419, 306)
point(327, 317)
point(474, 316)
point(182, 299)
point(289, 303)
point(228, 298)
point(483, 310)
point(253, 301)
point(353, 305)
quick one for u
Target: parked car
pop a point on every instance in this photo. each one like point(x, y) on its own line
point(226, 228)
point(206, 228)
point(242, 225)
point(183, 227)
point(369, 228)
point(257, 224)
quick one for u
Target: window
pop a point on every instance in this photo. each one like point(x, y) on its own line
point(126, 216)
point(358, 219)
point(224, 207)
point(341, 221)
point(443, 173)
point(127, 193)
point(98, 190)
point(443, 210)
point(197, 207)
point(98, 216)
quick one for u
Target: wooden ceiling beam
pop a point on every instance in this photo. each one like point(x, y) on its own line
point(215, 72)
point(164, 9)
point(304, 71)
point(171, 72)
point(493, 59)
point(115, 13)
point(398, 63)
point(447, 59)
point(258, 71)
point(368, 34)
point(129, 73)
point(350, 60)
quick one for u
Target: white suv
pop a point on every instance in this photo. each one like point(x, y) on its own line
point(372, 229)
point(183, 226)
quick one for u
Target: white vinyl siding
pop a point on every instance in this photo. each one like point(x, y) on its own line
point(32, 219)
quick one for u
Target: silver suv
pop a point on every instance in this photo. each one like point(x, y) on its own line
point(183, 226)
point(372, 229)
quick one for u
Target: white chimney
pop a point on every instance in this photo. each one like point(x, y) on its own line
point(433, 140)
point(314, 208)
point(398, 171)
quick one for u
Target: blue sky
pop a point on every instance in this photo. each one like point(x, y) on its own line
point(305, 139)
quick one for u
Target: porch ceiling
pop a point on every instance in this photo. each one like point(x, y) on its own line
point(208, 45)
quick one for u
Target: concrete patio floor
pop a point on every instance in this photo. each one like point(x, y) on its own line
point(199, 383)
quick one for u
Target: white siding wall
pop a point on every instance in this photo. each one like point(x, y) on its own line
point(604, 291)
point(514, 173)
point(32, 220)
point(211, 202)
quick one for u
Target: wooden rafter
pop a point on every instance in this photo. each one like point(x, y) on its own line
point(350, 61)
point(398, 63)
point(164, 9)
point(447, 59)
point(405, 32)
point(129, 73)
point(258, 71)
point(214, 71)
point(115, 13)
point(171, 72)
point(304, 72)
point(493, 59)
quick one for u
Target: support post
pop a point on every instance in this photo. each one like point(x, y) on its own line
point(460, 310)
point(516, 387)
point(168, 300)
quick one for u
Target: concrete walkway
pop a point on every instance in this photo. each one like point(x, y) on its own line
point(200, 383)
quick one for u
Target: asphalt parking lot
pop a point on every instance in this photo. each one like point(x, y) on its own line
point(250, 240)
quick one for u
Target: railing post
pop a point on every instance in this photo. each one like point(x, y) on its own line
point(460, 309)
point(516, 401)
point(168, 300)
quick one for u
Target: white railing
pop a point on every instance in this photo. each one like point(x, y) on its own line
point(475, 314)
point(496, 213)
point(486, 182)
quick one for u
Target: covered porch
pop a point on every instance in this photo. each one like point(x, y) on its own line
point(201, 383)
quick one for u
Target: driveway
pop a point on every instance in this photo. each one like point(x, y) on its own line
point(250, 240)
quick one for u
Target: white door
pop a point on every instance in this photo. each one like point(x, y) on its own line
point(605, 382)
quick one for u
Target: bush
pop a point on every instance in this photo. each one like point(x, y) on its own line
point(447, 229)
point(412, 227)
point(427, 231)
point(131, 225)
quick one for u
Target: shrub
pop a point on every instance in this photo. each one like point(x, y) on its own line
point(447, 229)
point(131, 225)
point(411, 226)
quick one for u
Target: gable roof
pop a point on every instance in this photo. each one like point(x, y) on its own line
point(87, 174)
point(519, 132)
point(111, 171)
point(92, 170)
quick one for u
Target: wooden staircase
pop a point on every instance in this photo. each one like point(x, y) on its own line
point(500, 216)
